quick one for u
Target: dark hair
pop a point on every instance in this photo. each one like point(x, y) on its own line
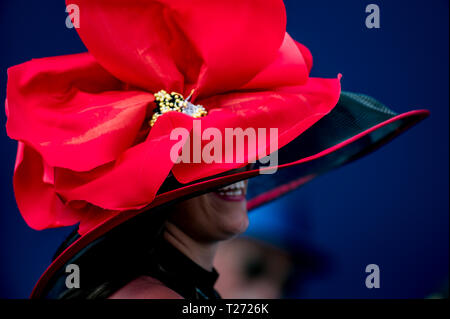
point(112, 261)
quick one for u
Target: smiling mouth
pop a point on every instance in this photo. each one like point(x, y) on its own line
point(233, 192)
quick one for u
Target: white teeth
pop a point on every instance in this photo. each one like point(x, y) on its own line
point(236, 189)
point(236, 186)
point(232, 193)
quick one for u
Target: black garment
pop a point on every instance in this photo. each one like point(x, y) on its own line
point(181, 274)
point(113, 261)
point(135, 248)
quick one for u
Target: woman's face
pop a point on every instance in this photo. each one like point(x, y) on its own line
point(214, 216)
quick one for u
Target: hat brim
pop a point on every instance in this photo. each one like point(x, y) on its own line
point(355, 127)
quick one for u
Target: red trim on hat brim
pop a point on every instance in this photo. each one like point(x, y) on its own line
point(111, 223)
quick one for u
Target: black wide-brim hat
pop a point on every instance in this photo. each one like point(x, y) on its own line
point(94, 129)
point(357, 126)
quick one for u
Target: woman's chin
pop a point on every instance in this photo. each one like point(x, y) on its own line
point(233, 221)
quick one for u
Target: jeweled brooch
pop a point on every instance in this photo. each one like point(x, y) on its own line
point(175, 102)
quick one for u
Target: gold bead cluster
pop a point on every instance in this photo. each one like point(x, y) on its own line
point(175, 102)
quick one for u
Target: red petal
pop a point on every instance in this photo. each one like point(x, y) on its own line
point(134, 179)
point(306, 55)
point(74, 113)
point(291, 110)
point(289, 68)
point(37, 201)
point(214, 46)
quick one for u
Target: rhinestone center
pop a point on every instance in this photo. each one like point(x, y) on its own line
point(174, 101)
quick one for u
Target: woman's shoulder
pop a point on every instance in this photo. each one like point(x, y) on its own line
point(145, 287)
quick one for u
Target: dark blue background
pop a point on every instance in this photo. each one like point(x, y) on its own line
point(391, 208)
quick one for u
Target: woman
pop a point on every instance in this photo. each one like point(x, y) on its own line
point(165, 254)
point(97, 147)
point(195, 228)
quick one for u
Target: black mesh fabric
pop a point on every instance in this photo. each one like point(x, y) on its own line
point(354, 113)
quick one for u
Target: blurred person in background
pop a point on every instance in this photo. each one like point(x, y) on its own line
point(273, 259)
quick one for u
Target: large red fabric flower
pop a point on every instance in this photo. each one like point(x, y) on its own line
point(86, 151)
